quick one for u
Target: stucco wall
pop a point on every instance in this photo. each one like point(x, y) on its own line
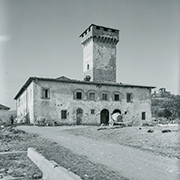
point(62, 98)
point(99, 52)
point(25, 105)
point(88, 59)
point(104, 57)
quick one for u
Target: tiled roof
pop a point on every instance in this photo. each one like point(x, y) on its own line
point(67, 80)
point(4, 107)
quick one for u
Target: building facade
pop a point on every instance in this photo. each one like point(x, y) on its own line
point(93, 100)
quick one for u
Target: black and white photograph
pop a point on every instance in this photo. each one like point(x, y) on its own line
point(90, 89)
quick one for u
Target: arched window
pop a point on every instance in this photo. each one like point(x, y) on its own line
point(104, 96)
point(78, 94)
point(92, 95)
point(117, 96)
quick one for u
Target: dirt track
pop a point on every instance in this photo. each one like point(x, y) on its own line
point(129, 162)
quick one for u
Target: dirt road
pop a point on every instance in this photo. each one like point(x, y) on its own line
point(129, 162)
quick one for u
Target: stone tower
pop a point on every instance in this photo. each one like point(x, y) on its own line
point(99, 53)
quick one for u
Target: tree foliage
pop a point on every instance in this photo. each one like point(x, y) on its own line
point(173, 106)
point(168, 107)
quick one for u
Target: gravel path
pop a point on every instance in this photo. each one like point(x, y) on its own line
point(129, 162)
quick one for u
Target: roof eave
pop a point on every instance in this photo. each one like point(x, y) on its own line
point(76, 81)
point(23, 87)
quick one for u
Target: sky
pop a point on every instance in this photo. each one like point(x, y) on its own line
point(40, 38)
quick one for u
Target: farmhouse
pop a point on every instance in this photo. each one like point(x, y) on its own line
point(90, 101)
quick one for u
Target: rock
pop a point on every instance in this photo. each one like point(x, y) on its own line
point(37, 176)
point(3, 170)
point(6, 150)
point(166, 130)
point(2, 126)
point(150, 131)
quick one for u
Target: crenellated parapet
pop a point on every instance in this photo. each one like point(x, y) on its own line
point(99, 53)
point(99, 34)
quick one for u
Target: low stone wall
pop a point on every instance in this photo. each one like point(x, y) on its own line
point(50, 169)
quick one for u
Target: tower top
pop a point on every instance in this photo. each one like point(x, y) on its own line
point(100, 32)
point(99, 53)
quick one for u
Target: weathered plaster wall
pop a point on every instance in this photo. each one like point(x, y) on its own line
point(88, 59)
point(25, 104)
point(62, 98)
point(99, 52)
point(104, 57)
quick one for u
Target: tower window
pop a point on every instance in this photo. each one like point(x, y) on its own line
point(129, 97)
point(87, 66)
point(143, 115)
point(45, 93)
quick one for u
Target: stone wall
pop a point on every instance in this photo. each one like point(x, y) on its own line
point(99, 53)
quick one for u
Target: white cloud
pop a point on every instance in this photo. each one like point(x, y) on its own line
point(4, 38)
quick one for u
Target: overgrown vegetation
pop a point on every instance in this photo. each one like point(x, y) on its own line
point(167, 108)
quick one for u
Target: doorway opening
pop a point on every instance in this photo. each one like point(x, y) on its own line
point(79, 114)
point(105, 117)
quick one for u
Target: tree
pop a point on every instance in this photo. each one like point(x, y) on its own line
point(172, 108)
point(167, 114)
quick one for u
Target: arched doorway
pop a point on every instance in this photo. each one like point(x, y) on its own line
point(117, 116)
point(116, 111)
point(105, 116)
point(79, 114)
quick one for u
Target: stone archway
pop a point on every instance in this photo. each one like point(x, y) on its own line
point(117, 111)
point(117, 116)
point(104, 117)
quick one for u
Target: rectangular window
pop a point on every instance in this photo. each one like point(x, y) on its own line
point(116, 97)
point(64, 114)
point(45, 93)
point(104, 96)
point(129, 97)
point(92, 96)
point(87, 66)
point(143, 115)
point(78, 95)
point(92, 111)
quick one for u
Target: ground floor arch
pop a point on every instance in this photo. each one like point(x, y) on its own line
point(117, 116)
point(117, 111)
point(104, 117)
